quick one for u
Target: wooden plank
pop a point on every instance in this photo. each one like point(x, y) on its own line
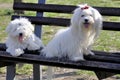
point(3, 64)
point(3, 46)
point(109, 11)
point(66, 22)
point(99, 55)
point(87, 65)
point(18, 11)
point(111, 54)
point(103, 58)
point(46, 20)
point(102, 74)
point(44, 7)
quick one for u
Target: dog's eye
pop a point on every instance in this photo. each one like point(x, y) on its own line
point(15, 29)
point(19, 24)
point(91, 15)
point(23, 28)
point(82, 15)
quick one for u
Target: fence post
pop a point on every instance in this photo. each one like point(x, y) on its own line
point(37, 70)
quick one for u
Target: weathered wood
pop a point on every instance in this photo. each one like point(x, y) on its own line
point(11, 71)
point(18, 11)
point(103, 58)
point(109, 11)
point(3, 64)
point(66, 22)
point(3, 46)
point(102, 74)
point(87, 65)
point(99, 55)
point(112, 54)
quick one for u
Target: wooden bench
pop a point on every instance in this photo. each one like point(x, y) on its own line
point(104, 64)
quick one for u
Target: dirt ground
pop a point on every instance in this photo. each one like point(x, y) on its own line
point(61, 74)
point(6, 5)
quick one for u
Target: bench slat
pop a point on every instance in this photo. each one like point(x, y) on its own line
point(2, 46)
point(65, 22)
point(3, 64)
point(103, 58)
point(100, 56)
point(111, 54)
point(109, 11)
point(87, 65)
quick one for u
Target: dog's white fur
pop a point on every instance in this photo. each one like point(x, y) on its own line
point(78, 38)
point(21, 36)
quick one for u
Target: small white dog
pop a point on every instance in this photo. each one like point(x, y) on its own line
point(76, 40)
point(21, 36)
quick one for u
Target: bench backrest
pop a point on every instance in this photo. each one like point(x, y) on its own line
point(53, 8)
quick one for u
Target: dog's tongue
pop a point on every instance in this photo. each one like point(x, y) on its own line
point(20, 39)
point(86, 25)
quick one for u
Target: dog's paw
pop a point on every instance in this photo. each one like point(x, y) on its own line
point(91, 53)
point(88, 52)
point(79, 58)
point(17, 52)
point(46, 54)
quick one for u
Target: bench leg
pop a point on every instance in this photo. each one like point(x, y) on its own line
point(50, 73)
point(102, 74)
point(37, 72)
point(11, 71)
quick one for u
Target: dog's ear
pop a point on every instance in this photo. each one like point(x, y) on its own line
point(31, 27)
point(98, 20)
point(75, 17)
point(8, 28)
point(11, 26)
point(97, 17)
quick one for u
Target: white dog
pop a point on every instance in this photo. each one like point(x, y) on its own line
point(76, 40)
point(21, 36)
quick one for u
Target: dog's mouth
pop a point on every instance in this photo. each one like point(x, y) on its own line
point(86, 25)
point(20, 38)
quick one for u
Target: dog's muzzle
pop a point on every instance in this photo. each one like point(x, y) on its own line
point(20, 34)
point(20, 38)
point(86, 23)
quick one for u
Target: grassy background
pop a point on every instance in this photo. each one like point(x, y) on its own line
point(108, 40)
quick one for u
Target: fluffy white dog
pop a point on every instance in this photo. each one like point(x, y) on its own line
point(21, 36)
point(76, 40)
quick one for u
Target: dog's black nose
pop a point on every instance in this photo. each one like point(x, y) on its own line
point(86, 20)
point(20, 34)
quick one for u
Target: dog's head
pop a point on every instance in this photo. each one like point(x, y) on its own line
point(86, 17)
point(20, 28)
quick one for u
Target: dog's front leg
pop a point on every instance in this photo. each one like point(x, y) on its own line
point(15, 51)
point(77, 56)
point(87, 51)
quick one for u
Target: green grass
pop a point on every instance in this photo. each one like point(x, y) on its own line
point(6, 1)
point(108, 40)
